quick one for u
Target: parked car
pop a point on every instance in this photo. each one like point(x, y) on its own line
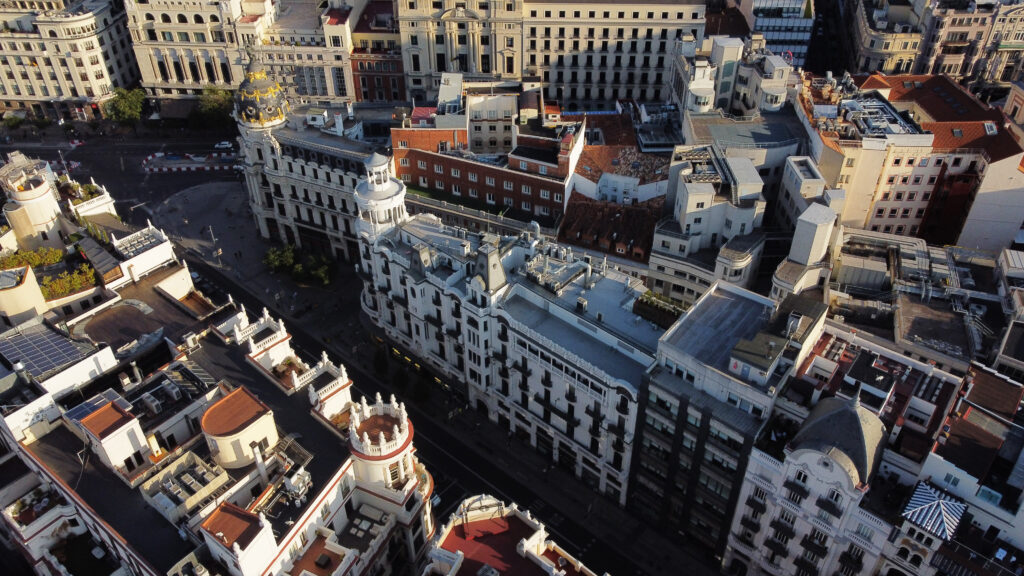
point(225, 145)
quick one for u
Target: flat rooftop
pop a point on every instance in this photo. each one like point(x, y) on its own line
point(298, 15)
point(714, 324)
point(768, 130)
point(119, 506)
point(493, 543)
point(43, 350)
point(142, 311)
point(932, 324)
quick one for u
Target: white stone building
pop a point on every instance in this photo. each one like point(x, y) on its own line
point(801, 511)
point(713, 233)
point(546, 343)
point(63, 59)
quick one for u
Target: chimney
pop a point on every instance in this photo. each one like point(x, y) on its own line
point(136, 373)
point(261, 465)
point(22, 372)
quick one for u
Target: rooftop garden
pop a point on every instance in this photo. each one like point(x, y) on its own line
point(68, 282)
point(85, 193)
point(658, 309)
point(33, 258)
point(31, 506)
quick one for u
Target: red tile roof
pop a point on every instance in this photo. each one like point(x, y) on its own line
point(106, 420)
point(232, 413)
point(249, 19)
point(229, 524)
point(606, 226)
point(307, 563)
point(994, 392)
point(953, 115)
point(337, 16)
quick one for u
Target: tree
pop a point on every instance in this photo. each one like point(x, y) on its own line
point(214, 111)
point(126, 106)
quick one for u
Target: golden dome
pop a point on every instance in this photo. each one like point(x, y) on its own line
point(259, 99)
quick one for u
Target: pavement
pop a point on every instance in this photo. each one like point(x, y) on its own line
point(597, 530)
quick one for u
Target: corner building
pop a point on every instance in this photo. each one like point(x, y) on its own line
point(546, 344)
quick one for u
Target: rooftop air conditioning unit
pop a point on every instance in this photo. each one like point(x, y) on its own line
point(172, 390)
point(152, 404)
point(487, 570)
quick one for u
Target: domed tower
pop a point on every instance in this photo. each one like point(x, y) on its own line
point(380, 198)
point(260, 102)
point(260, 106)
point(387, 470)
point(33, 210)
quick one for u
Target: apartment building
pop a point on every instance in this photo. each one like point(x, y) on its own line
point(703, 401)
point(62, 60)
point(713, 233)
point(544, 342)
point(620, 53)
point(490, 143)
point(916, 155)
point(377, 73)
point(813, 492)
point(300, 169)
point(957, 39)
point(885, 36)
point(740, 77)
point(1004, 53)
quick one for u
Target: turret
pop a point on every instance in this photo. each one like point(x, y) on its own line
point(380, 198)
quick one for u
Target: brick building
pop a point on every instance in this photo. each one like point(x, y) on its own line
point(377, 74)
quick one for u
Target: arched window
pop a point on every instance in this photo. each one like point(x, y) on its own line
point(916, 560)
point(214, 19)
point(928, 542)
point(903, 553)
point(198, 18)
point(53, 34)
point(149, 17)
point(182, 19)
point(165, 18)
point(919, 536)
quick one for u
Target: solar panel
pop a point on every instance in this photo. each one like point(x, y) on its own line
point(93, 404)
point(41, 350)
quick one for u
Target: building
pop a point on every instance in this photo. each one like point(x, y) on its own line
point(916, 155)
point(32, 210)
point(740, 77)
point(62, 60)
point(579, 65)
point(490, 144)
point(304, 45)
point(886, 37)
point(811, 494)
point(377, 73)
point(703, 401)
point(546, 343)
point(713, 232)
point(785, 24)
point(179, 433)
point(483, 531)
point(300, 175)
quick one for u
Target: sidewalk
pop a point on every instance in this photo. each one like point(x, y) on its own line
point(333, 317)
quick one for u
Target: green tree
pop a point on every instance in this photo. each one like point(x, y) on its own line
point(11, 121)
point(126, 106)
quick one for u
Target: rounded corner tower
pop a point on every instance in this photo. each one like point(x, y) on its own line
point(260, 102)
point(380, 198)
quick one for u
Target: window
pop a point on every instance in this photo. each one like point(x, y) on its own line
point(526, 190)
point(455, 172)
point(489, 180)
point(801, 476)
point(471, 176)
point(951, 480)
point(835, 496)
point(403, 162)
point(526, 206)
point(543, 169)
point(522, 165)
point(438, 169)
point(508, 185)
point(545, 194)
point(490, 198)
point(422, 165)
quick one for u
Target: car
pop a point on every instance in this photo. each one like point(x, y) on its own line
point(225, 145)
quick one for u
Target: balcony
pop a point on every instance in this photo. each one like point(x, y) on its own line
point(806, 566)
point(783, 528)
point(814, 546)
point(457, 312)
point(503, 334)
point(549, 405)
point(830, 507)
point(750, 524)
point(855, 563)
point(756, 505)
point(434, 319)
point(593, 411)
point(797, 488)
point(777, 547)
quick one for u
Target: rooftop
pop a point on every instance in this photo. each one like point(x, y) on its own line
point(993, 392)
point(232, 413)
point(120, 507)
point(493, 543)
point(231, 524)
point(107, 420)
point(713, 326)
point(141, 311)
point(769, 130)
point(43, 350)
